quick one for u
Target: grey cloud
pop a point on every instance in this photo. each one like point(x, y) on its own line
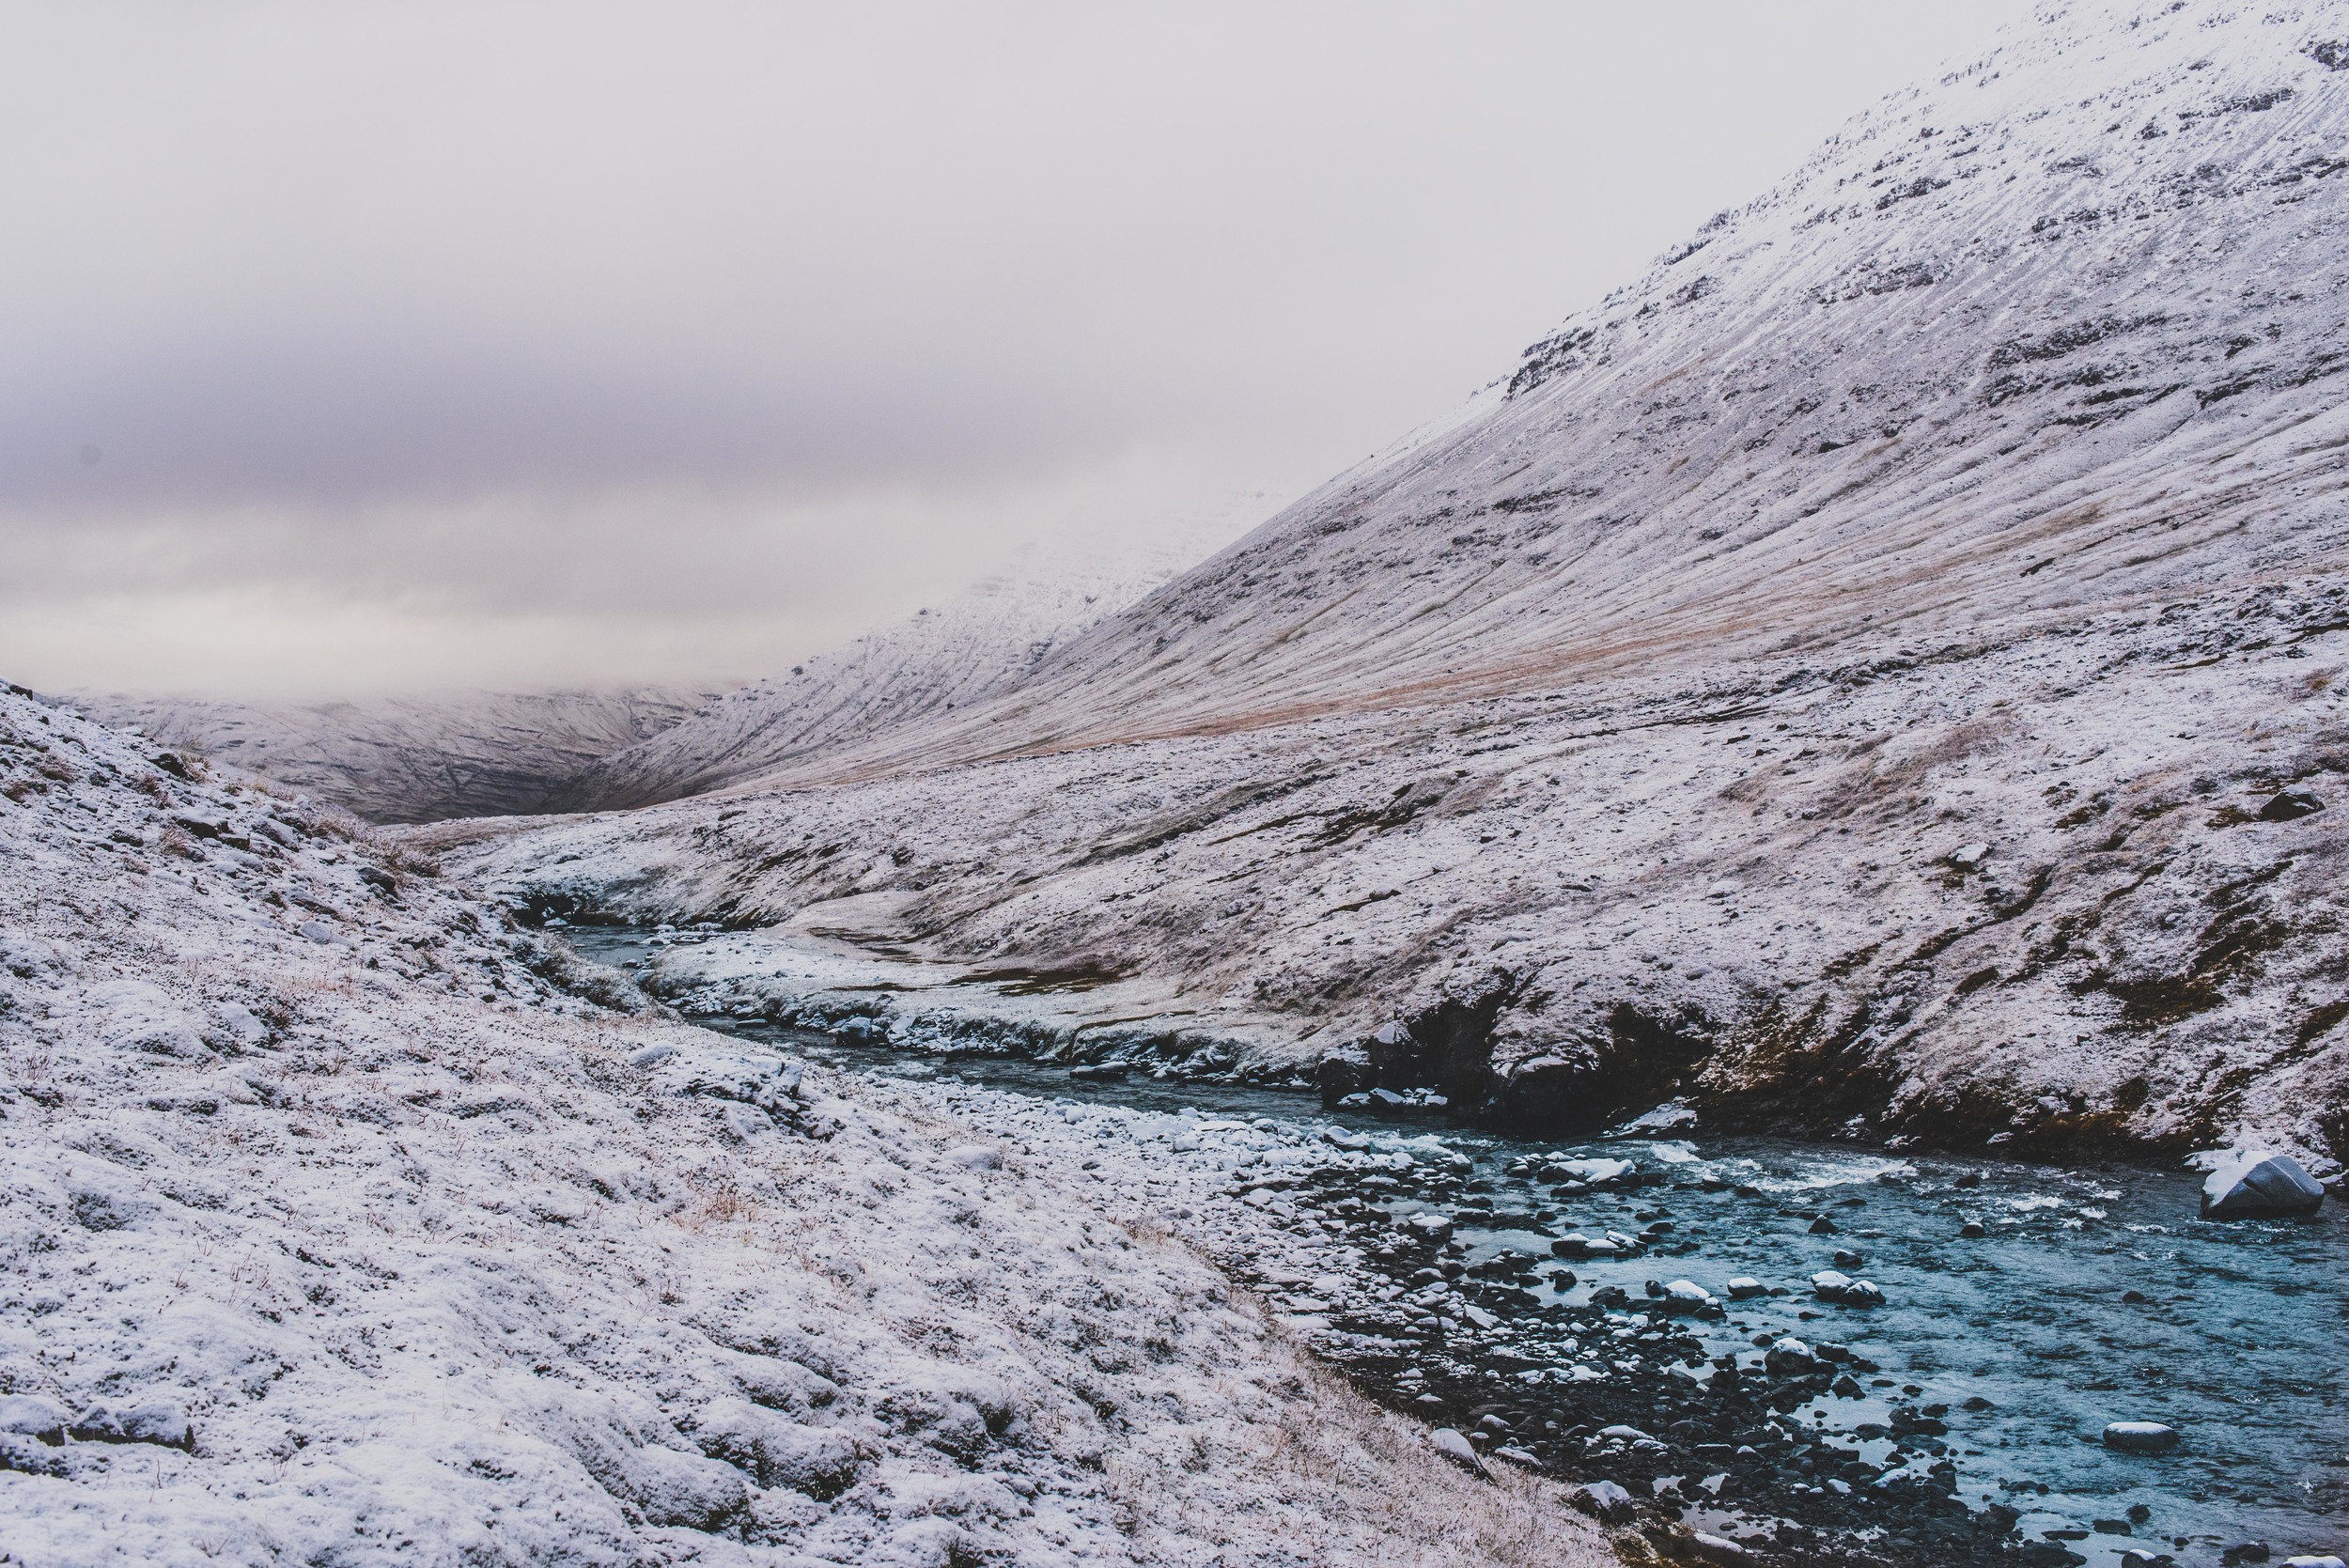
point(586, 315)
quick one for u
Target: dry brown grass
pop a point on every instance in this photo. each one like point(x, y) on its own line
point(1375, 1491)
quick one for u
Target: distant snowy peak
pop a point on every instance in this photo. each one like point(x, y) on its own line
point(2060, 328)
point(2095, 115)
point(985, 641)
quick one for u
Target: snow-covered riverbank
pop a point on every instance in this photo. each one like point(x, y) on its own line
point(334, 1232)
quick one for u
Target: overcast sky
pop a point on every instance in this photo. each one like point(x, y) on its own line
point(379, 348)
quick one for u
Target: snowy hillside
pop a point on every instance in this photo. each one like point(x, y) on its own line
point(1877, 674)
point(980, 642)
point(416, 759)
point(334, 1233)
point(2040, 334)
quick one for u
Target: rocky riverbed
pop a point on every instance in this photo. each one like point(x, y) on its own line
point(1639, 1314)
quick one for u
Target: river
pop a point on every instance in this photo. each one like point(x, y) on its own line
point(2025, 1306)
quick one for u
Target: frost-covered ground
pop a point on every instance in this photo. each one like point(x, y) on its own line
point(1862, 677)
point(334, 1233)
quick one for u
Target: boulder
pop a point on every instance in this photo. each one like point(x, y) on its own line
point(1456, 1449)
point(1830, 1285)
point(2258, 1184)
point(1603, 1499)
point(1790, 1357)
point(1744, 1288)
point(2290, 806)
point(1592, 1172)
point(1862, 1293)
point(2140, 1436)
point(1687, 1295)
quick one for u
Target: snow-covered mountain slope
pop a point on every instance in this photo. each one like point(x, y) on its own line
point(1981, 485)
point(414, 759)
point(1755, 894)
point(2045, 333)
point(332, 1234)
point(983, 642)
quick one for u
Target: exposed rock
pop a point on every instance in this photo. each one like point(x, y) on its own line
point(1457, 1448)
point(1604, 1500)
point(2290, 806)
point(2260, 1184)
point(2140, 1436)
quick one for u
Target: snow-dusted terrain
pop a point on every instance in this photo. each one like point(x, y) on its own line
point(414, 759)
point(975, 646)
point(334, 1233)
point(1873, 675)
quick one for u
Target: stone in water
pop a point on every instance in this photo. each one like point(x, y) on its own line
point(2259, 1185)
point(2140, 1436)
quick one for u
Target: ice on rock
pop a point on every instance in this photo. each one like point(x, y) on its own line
point(651, 1056)
point(1591, 1172)
point(977, 1156)
point(163, 1421)
point(2140, 1436)
point(2260, 1184)
point(1830, 1285)
point(1687, 1295)
point(1744, 1287)
point(30, 1416)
